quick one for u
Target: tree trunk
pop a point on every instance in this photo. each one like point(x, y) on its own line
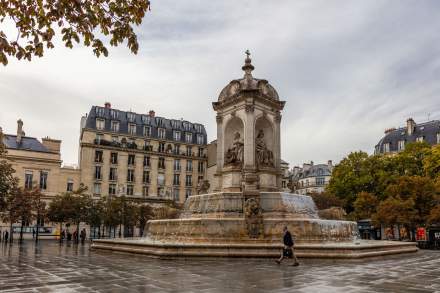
point(11, 237)
point(21, 231)
point(61, 230)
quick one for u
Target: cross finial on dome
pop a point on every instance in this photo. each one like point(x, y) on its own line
point(247, 67)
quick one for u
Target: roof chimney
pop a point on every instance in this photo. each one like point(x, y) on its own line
point(107, 105)
point(20, 132)
point(152, 113)
point(388, 130)
point(410, 126)
point(329, 163)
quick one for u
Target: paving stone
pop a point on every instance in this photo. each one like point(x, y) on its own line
point(50, 267)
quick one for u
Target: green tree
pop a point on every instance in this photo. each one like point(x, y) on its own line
point(95, 214)
point(365, 205)
point(325, 200)
point(7, 180)
point(57, 212)
point(434, 215)
point(410, 161)
point(431, 163)
point(395, 211)
point(145, 213)
point(112, 215)
point(85, 21)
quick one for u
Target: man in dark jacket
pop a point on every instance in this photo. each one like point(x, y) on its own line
point(288, 248)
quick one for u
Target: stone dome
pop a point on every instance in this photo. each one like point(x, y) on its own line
point(248, 83)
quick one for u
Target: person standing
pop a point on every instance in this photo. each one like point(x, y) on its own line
point(6, 236)
point(288, 248)
point(83, 235)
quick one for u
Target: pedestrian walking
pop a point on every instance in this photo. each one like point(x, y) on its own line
point(83, 235)
point(33, 233)
point(63, 235)
point(6, 236)
point(69, 236)
point(288, 248)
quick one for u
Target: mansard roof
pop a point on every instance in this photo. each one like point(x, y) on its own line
point(127, 117)
point(27, 143)
point(317, 170)
point(427, 130)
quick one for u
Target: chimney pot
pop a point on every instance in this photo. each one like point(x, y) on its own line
point(410, 126)
point(107, 105)
point(151, 113)
point(20, 132)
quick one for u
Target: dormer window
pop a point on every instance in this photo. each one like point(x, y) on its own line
point(132, 128)
point(161, 133)
point(187, 126)
point(177, 135)
point(131, 117)
point(438, 137)
point(420, 139)
point(159, 121)
point(386, 147)
point(146, 119)
point(188, 137)
point(175, 123)
point(99, 111)
point(100, 123)
point(115, 126)
point(147, 131)
point(200, 139)
point(401, 145)
point(198, 128)
point(114, 114)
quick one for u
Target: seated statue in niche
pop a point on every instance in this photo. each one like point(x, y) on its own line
point(234, 154)
point(264, 156)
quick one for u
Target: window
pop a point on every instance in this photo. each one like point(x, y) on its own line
point(131, 159)
point(161, 133)
point(189, 165)
point(420, 139)
point(176, 179)
point(199, 179)
point(161, 147)
point(131, 117)
point(188, 180)
point(177, 165)
point(175, 124)
point(100, 123)
point(320, 181)
point(97, 188)
point(98, 138)
point(187, 126)
point(112, 189)
point(198, 128)
point(161, 164)
point(113, 176)
point(307, 182)
point(98, 156)
point(176, 135)
point(189, 151)
point(147, 131)
point(28, 177)
point(176, 150)
point(438, 137)
point(159, 121)
point(188, 193)
point(146, 177)
point(115, 126)
point(130, 189)
point(98, 172)
point(114, 114)
point(146, 119)
point(176, 194)
point(145, 190)
point(201, 167)
point(43, 180)
point(99, 111)
point(200, 139)
point(130, 175)
point(69, 187)
point(113, 158)
point(386, 148)
point(146, 161)
point(200, 152)
point(160, 179)
point(147, 146)
point(188, 137)
point(132, 129)
point(401, 145)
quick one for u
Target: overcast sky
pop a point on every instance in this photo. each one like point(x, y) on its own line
point(347, 69)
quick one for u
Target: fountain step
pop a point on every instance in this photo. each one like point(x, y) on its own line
point(334, 251)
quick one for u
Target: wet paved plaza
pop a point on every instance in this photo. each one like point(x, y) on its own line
point(50, 267)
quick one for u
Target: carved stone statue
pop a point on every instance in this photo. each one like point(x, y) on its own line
point(234, 154)
point(253, 217)
point(264, 156)
point(203, 187)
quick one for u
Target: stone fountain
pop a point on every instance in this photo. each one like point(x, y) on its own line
point(246, 212)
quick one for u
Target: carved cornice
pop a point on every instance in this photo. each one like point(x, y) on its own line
point(244, 95)
point(278, 117)
point(249, 108)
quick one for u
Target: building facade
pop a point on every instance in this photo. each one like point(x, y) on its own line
point(311, 178)
point(395, 139)
point(38, 164)
point(141, 155)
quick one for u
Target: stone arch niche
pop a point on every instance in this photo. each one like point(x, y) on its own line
point(233, 153)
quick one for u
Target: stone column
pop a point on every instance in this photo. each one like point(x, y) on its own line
point(220, 152)
point(277, 147)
